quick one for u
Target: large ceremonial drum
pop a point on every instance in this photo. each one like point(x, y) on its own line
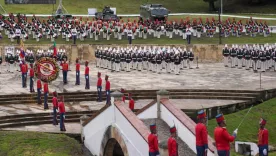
point(46, 69)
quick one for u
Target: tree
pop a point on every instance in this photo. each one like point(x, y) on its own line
point(211, 4)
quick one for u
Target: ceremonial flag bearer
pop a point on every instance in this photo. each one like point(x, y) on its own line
point(153, 142)
point(201, 134)
point(222, 137)
point(263, 138)
point(172, 144)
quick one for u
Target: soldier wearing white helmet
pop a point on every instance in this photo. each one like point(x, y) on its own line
point(117, 61)
point(191, 58)
point(225, 53)
point(177, 62)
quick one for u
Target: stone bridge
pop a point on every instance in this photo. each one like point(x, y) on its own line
point(116, 130)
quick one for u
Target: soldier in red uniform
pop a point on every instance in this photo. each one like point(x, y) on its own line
point(55, 107)
point(201, 134)
point(123, 97)
point(263, 138)
point(39, 87)
point(31, 78)
point(107, 89)
point(131, 102)
point(65, 70)
point(99, 87)
point(61, 108)
point(153, 142)
point(24, 74)
point(222, 137)
point(46, 91)
point(172, 144)
point(77, 72)
point(86, 73)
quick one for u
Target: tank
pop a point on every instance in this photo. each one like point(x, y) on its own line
point(153, 12)
point(106, 15)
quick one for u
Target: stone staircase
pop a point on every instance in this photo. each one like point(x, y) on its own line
point(39, 118)
point(249, 96)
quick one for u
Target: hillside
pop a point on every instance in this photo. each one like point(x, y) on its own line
point(249, 129)
point(14, 143)
point(132, 6)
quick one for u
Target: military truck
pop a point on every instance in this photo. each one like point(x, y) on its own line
point(153, 12)
point(106, 15)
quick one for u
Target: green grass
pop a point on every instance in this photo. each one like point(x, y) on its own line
point(14, 143)
point(162, 40)
point(249, 129)
point(132, 6)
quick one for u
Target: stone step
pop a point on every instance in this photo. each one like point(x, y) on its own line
point(40, 122)
point(43, 114)
point(38, 118)
point(200, 93)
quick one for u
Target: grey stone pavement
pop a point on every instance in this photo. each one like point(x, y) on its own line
point(208, 76)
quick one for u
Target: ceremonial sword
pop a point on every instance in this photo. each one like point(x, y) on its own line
point(245, 116)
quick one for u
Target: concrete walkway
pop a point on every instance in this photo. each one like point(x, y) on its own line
point(208, 76)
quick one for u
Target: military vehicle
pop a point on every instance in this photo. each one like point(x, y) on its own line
point(153, 12)
point(106, 15)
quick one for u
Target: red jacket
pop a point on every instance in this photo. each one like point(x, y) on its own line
point(123, 98)
point(46, 89)
point(87, 70)
point(55, 102)
point(201, 135)
point(223, 138)
point(153, 143)
point(65, 67)
point(107, 85)
point(61, 107)
point(23, 68)
point(131, 104)
point(31, 72)
point(99, 83)
point(77, 67)
point(172, 147)
point(263, 137)
point(38, 84)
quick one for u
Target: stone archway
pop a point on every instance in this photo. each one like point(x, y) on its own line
point(113, 142)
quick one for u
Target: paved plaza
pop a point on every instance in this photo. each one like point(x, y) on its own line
point(208, 76)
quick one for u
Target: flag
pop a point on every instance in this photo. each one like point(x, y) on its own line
point(22, 52)
point(55, 50)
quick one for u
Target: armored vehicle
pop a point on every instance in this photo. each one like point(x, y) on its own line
point(106, 15)
point(153, 12)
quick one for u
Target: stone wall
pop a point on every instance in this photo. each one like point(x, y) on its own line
point(204, 52)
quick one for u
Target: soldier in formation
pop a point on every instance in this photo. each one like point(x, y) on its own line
point(73, 29)
point(255, 57)
point(155, 59)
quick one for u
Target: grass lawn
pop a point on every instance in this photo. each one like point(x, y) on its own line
point(162, 41)
point(13, 143)
point(249, 129)
point(132, 6)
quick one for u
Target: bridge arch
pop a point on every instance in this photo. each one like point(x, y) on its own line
point(113, 142)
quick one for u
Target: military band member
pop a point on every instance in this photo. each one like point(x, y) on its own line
point(128, 61)
point(158, 63)
point(134, 61)
point(240, 57)
point(86, 74)
point(145, 32)
point(263, 138)
point(117, 61)
point(139, 61)
point(77, 72)
point(153, 141)
point(225, 53)
point(201, 134)
point(55, 108)
point(222, 137)
point(172, 143)
point(46, 92)
point(177, 63)
point(97, 33)
point(233, 54)
point(107, 90)
point(191, 58)
point(99, 87)
point(61, 108)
